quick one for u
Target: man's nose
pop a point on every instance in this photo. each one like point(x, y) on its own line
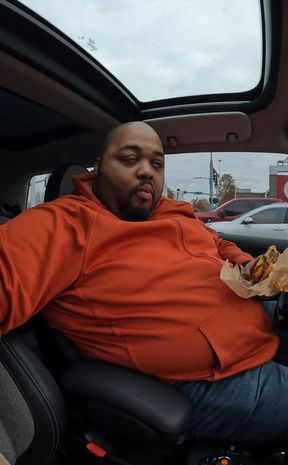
point(145, 170)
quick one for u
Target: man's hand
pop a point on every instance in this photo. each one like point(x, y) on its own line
point(246, 267)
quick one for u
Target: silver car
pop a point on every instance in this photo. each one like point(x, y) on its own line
point(270, 221)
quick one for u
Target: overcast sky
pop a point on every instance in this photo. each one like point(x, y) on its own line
point(168, 48)
point(249, 172)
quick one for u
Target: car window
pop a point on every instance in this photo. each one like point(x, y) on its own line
point(256, 203)
point(237, 208)
point(270, 216)
point(37, 188)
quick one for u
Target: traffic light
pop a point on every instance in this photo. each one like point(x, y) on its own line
point(214, 201)
point(215, 177)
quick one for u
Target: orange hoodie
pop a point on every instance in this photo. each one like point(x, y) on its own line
point(143, 294)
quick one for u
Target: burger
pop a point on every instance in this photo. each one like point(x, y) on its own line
point(263, 265)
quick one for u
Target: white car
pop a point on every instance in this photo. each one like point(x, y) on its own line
point(270, 221)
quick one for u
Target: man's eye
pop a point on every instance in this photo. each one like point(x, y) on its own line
point(129, 160)
point(157, 163)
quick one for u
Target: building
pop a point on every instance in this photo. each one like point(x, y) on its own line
point(278, 180)
point(244, 193)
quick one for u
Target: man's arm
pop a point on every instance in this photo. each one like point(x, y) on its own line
point(230, 251)
point(41, 253)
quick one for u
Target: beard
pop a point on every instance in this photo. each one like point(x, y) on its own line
point(126, 211)
point(139, 213)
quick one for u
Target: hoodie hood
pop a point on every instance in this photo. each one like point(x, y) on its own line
point(165, 207)
point(83, 185)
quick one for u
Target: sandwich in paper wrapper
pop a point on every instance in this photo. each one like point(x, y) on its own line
point(268, 275)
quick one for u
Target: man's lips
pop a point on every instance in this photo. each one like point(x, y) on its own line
point(145, 192)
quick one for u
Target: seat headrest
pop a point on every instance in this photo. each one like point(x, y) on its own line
point(60, 181)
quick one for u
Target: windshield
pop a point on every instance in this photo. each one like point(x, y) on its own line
point(237, 174)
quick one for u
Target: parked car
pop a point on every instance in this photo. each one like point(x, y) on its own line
point(69, 73)
point(270, 221)
point(232, 209)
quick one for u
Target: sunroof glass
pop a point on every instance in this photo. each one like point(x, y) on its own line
point(162, 49)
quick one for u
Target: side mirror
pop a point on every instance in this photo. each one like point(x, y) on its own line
point(221, 213)
point(247, 220)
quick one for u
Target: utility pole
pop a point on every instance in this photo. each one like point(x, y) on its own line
point(211, 183)
point(218, 186)
point(219, 172)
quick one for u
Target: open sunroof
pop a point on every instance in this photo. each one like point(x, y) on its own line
point(164, 49)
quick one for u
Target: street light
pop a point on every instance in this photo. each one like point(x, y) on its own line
point(202, 177)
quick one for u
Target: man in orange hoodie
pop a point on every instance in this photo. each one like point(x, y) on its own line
point(134, 278)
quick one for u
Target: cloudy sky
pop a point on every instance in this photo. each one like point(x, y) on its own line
point(249, 172)
point(168, 48)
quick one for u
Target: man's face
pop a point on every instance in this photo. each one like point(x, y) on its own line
point(130, 175)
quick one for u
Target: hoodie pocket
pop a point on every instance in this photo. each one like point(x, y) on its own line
point(238, 333)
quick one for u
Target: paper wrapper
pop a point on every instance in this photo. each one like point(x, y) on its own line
point(3, 461)
point(276, 282)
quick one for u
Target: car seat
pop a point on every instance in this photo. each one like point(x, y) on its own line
point(60, 181)
point(111, 406)
point(32, 409)
point(113, 410)
point(116, 413)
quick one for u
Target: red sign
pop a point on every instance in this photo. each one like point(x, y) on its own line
point(282, 186)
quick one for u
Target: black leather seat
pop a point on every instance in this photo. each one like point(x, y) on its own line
point(32, 409)
point(116, 412)
point(109, 405)
point(3, 219)
point(60, 181)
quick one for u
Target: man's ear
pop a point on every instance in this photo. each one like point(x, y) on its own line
point(97, 165)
